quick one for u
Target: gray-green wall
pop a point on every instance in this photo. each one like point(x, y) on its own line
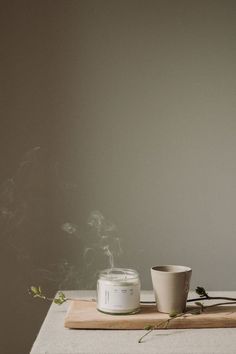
point(117, 143)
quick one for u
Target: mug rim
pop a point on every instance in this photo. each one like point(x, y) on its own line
point(171, 268)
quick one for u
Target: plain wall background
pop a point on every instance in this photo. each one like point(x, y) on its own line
point(117, 142)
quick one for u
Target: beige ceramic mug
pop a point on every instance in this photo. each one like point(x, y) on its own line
point(171, 286)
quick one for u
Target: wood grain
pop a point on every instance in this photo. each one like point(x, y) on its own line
point(84, 315)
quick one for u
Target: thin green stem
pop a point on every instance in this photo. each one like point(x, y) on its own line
point(220, 304)
point(199, 299)
point(164, 324)
point(145, 334)
point(212, 298)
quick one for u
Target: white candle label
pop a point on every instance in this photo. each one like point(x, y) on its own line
point(118, 297)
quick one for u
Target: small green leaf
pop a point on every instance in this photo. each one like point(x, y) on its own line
point(34, 289)
point(201, 291)
point(61, 295)
point(200, 305)
point(60, 299)
point(57, 301)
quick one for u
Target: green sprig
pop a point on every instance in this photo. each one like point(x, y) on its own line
point(36, 292)
point(203, 295)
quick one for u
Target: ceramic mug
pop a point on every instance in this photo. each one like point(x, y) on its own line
point(171, 287)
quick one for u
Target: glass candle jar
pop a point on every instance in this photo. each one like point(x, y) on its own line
point(118, 291)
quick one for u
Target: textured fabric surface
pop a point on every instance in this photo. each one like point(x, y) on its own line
point(53, 338)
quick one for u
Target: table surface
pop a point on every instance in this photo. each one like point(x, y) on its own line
point(53, 338)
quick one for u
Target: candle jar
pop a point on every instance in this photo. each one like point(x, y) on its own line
point(118, 291)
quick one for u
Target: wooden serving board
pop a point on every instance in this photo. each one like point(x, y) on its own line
point(84, 315)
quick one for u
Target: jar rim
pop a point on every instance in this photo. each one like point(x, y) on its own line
point(118, 274)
